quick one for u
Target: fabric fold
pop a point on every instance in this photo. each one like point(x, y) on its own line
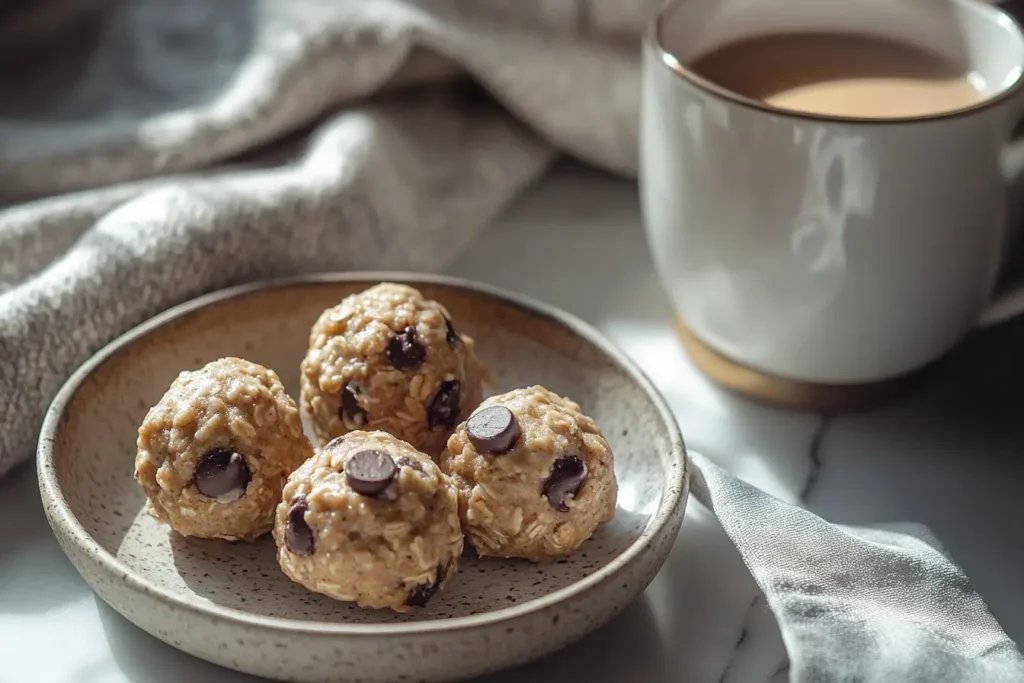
point(859, 604)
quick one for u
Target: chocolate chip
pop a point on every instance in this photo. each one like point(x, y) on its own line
point(404, 461)
point(444, 409)
point(297, 534)
point(493, 430)
point(336, 441)
point(369, 472)
point(222, 474)
point(404, 352)
point(453, 337)
point(350, 407)
point(568, 474)
point(420, 595)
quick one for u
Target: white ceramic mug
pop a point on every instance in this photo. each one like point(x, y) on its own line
point(826, 249)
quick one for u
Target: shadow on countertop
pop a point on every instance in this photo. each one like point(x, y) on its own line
point(145, 659)
point(35, 575)
point(981, 381)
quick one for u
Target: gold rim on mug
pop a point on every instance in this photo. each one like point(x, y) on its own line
point(652, 38)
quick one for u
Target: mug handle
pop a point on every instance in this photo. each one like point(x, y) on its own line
point(1007, 303)
point(1008, 300)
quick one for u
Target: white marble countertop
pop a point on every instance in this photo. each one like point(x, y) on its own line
point(950, 455)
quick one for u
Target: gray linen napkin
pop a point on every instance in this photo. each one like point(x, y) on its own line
point(859, 605)
point(171, 148)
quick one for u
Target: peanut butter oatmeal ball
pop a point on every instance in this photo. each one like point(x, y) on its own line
point(216, 450)
point(388, 359)
point(370, 520)
point(535, 475)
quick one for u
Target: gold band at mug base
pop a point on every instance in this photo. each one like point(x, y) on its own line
point(787, 393)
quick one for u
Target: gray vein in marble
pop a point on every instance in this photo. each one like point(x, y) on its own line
point(814, 455)
point(780, 674)
point(759, 653)
point(743, 636)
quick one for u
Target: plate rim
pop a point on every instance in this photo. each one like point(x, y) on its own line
point(59, 512)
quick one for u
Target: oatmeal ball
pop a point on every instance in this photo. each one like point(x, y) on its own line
point(370, 520)
point(535, 475)
point(216, 450)
point(387, 359)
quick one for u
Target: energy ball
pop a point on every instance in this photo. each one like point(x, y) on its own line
point(534, 474)
point(388, 359)
point(216, 450)
point(370, 520)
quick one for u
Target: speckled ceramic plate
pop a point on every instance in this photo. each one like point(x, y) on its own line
point(230, 603)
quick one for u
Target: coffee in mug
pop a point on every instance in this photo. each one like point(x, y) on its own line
point(840, 74)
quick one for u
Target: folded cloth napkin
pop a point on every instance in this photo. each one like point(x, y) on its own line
point(859, 605)
point(151, 151)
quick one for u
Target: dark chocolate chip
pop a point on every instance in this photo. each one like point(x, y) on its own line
point(404, 352)
point(420, 595)
point(404, 461)
point(444, 409)
point(222, 474)
point(453, 337)
point(350, 407)
point(568, 474)
point(336, 441)
point(369, 472)
point(493, 430)
point(298, 535)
